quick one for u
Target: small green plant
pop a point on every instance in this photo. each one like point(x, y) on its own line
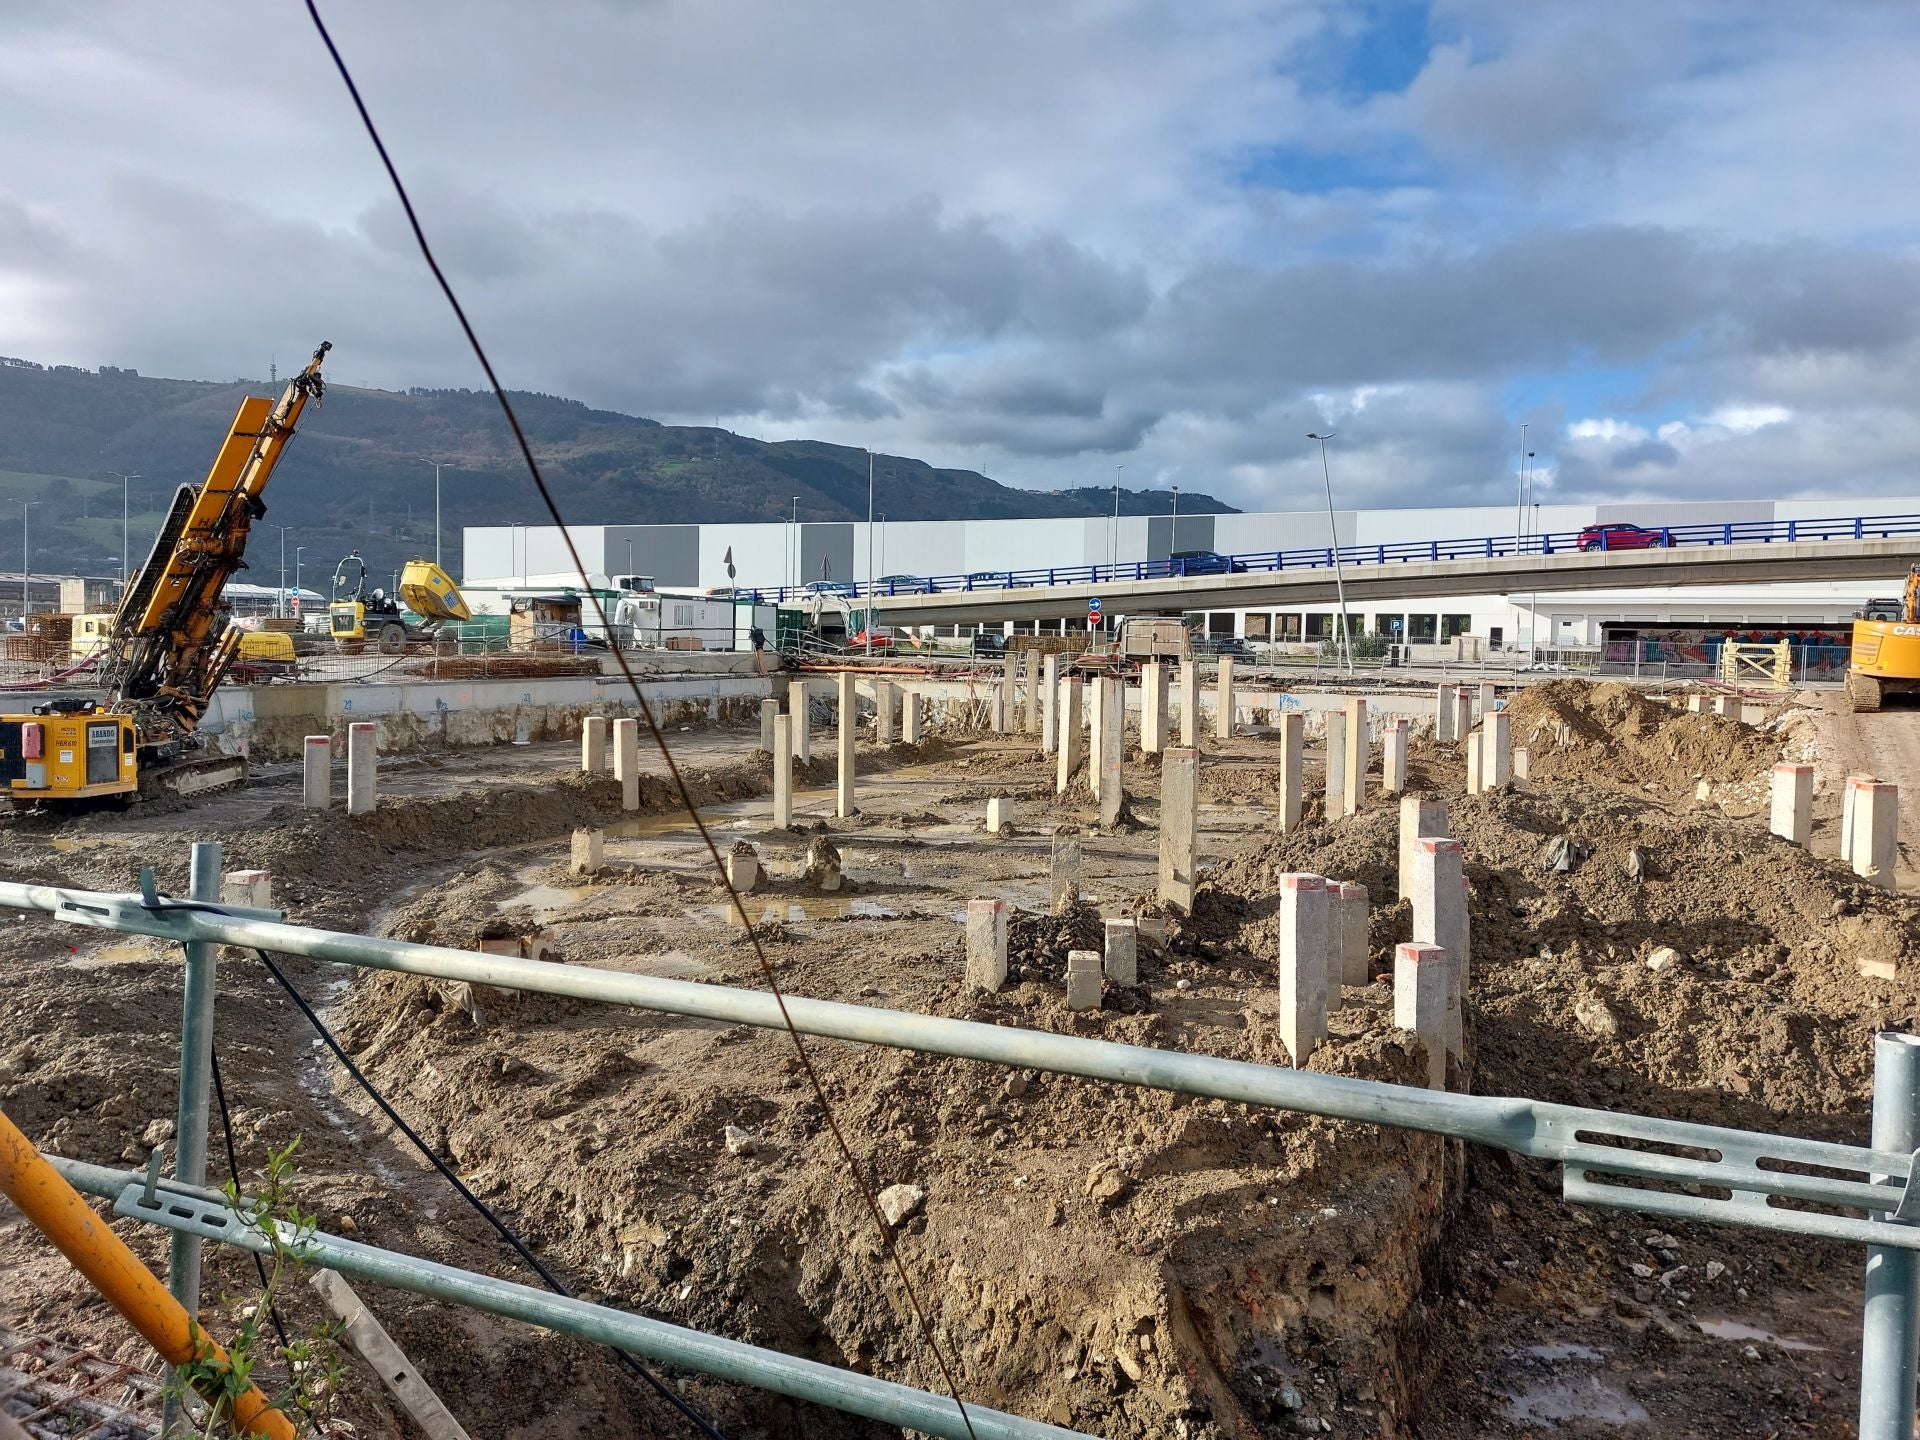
point(306, 1381)
point(1365, 647)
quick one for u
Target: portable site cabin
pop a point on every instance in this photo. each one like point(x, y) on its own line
point(668, 621)
point(546, 623)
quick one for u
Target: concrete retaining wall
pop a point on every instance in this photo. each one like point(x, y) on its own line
point(956, 702)
point(271, 722)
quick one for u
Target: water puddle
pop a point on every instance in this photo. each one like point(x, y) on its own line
point(1548, 1401)
point(798, 912)
point(1725, 1329)
point(547, 901)
point(1549, 1385)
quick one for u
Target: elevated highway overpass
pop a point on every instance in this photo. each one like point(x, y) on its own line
point(1375, 573)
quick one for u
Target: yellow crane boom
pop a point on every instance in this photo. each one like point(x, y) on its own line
point(170, 645)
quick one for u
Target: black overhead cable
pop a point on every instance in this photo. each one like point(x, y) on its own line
point(867, 1195)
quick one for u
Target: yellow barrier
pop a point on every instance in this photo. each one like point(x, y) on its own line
point(1768, 664)
point(64, 1217)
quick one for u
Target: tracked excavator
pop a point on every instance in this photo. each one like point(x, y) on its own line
point(170, 644)
point(1886, 652)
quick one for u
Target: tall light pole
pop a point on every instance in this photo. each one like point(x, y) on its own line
point(126, 489)
point(1333, 544)
point(869, 624)
point(798, 549)
point(26, 565)
point(1520, 494)
point(1113, 547)
point(1533, 601)
point(436, 505)
point(281, 607)
point(298, 551)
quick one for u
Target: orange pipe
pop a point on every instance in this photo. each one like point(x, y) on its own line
point(64, 1217)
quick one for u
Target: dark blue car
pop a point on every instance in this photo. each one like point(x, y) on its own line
point(1203, 562)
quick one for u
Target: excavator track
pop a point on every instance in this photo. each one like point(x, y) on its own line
point(1865, 695)
point(193, 777)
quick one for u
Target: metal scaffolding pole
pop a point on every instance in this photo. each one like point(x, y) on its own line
point(1890, 1333)
point(883, 1400)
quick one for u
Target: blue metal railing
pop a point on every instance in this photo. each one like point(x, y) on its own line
point(1320, 557)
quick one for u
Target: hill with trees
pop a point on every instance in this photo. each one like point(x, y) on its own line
point(355, 476)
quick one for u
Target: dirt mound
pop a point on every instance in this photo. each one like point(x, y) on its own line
point(1616, 734)
point(1761, 1013)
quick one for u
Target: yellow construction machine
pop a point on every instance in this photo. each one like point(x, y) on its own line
point(357, 614)
point(171, 641)
point(1886, 653)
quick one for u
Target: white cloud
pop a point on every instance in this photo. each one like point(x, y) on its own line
point(1022, 237)
point(1745, 419)
point(1607, 430)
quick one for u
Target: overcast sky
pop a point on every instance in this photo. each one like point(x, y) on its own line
point(1038, 239)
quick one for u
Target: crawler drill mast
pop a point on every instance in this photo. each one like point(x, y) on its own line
point(171, 641)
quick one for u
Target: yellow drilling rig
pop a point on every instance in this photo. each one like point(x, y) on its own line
point(171, 642)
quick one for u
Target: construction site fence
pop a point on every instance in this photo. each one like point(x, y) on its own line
point(1674, 1169)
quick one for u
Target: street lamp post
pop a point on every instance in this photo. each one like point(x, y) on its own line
point(1520, 493)
point(1113, 547)
point(281, 608)
point(298, 551)
point(1533, 601)
point(798, 548)
point(26, 564)
point(1333, 544)
point(869, 625)
point(436, 504)
point(126, 488)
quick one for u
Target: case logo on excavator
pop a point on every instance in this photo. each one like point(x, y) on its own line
point(1904, 629)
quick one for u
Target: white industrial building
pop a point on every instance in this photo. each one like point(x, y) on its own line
point(767, 556)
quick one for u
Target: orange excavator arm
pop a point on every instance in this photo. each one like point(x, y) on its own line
point(170, 644)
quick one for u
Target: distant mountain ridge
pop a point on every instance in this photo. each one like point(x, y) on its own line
point(356, 476)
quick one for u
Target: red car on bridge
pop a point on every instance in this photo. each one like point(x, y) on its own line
point(1620, 536)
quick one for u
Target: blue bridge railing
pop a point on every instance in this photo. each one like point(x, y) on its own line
point(1321, 557)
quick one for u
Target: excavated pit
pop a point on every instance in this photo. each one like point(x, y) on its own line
point(1126, 1262)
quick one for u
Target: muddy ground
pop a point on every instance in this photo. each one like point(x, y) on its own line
point(1121, 1261)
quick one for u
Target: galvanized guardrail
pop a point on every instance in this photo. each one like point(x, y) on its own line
point(1664, 1167)
point(1320, 557)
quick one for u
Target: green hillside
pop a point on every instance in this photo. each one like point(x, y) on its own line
point(354, 477)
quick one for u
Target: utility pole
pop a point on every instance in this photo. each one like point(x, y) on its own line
point(436, 505)
point(869, 625)
point(126, 487)
point(798, 549)
point(1113, 546)
point(1520, 494)
point(298, 551)
point(1333, 544)
point(26, 564)
point(1533, 602)
point(280, 609)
